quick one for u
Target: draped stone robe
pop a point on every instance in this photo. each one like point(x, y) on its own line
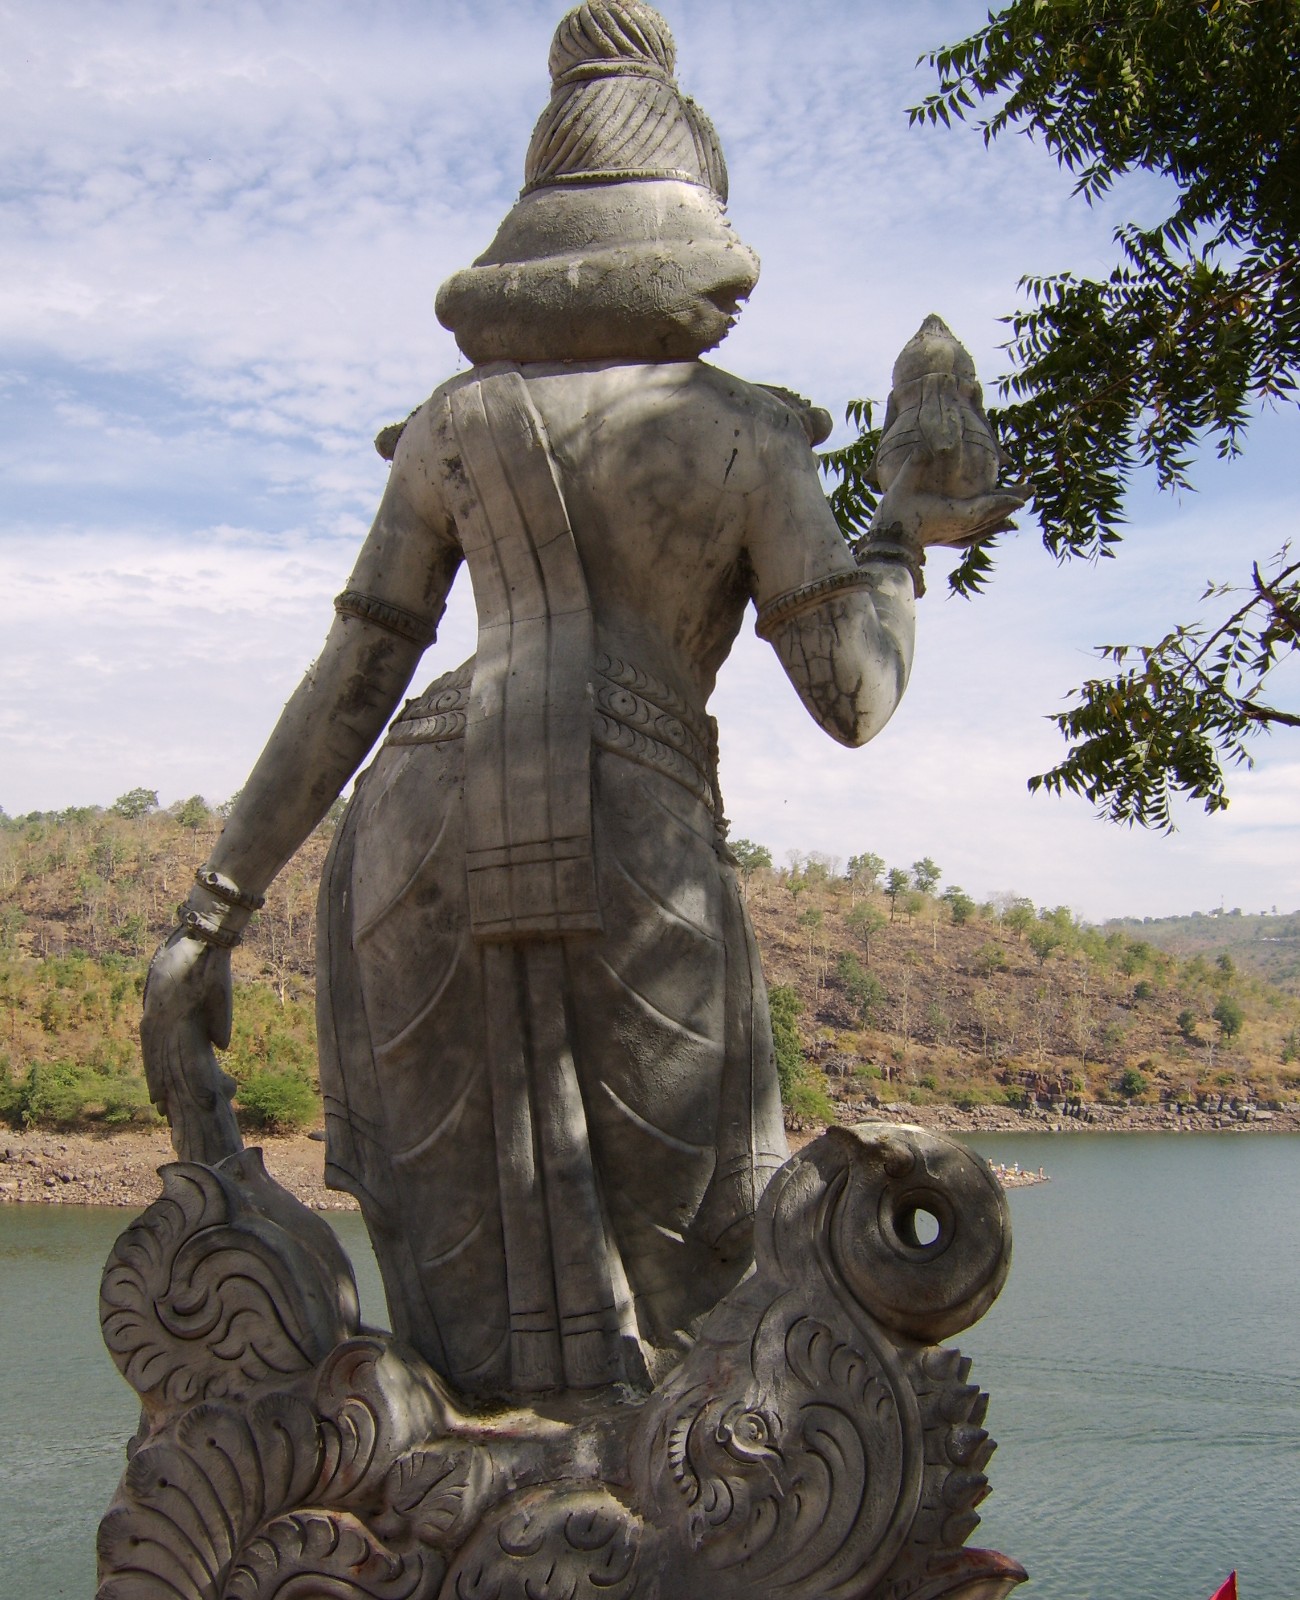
point(545, 1045)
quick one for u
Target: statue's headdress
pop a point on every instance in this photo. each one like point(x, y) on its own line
point(618, 246)
point(616, 113)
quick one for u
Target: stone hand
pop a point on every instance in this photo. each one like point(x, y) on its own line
point(916, 509)
point(187, 1010)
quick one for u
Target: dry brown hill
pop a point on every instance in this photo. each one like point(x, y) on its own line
point(914, 1000)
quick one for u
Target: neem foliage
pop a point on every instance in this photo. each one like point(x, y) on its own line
point(1198, 323)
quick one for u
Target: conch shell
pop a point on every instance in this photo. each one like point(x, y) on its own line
point(936, 408)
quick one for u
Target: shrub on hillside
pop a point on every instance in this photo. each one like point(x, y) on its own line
point(278, 1102)
point(989, 958)
point(60, 1094)
point(784, 1006)
point(11, 1090)
point(864, 989)
point(55, 1094)
point(803, 1087)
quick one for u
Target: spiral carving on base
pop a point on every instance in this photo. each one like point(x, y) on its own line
point(225, 1283)
point(817, 1443)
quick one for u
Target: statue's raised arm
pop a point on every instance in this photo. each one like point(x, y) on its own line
point(842, 622)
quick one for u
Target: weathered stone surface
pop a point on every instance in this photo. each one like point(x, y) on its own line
point(545, 1044)
point(544, 1039)
point(816, 1439)
point(226, 1282)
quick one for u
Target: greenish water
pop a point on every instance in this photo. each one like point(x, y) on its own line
point(1142, 1363)
point(65, 1413)
point(1144, 1368)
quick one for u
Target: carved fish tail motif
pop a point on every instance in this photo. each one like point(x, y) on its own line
point(228, 1293)
point(814, 1444)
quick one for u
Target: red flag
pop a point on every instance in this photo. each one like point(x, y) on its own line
point(1227, 1590)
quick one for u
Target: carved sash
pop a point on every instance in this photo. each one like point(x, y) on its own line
point(528, 735)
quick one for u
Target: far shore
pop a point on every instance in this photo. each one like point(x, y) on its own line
point(120, 1168)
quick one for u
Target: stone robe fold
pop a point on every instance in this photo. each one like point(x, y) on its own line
point(545, 1046)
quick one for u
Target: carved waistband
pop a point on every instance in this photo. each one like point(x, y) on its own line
point(634, 715)
point(439, 713)
point(645, 720)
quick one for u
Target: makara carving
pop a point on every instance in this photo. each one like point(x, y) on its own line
point(817, 1440)
point(545, 1047)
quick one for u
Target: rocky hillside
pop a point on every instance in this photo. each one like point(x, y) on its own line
point(884, 992)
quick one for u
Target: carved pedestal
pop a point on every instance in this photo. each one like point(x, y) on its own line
point(817, 1441)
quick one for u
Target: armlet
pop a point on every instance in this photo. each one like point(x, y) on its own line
point(393, 619)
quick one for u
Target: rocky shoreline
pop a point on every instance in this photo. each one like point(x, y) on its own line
point(121, 1168)
point(1089, 1117)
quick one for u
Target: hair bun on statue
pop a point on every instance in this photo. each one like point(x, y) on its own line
point(618, 248)
point(616, 114)
point(615, 35)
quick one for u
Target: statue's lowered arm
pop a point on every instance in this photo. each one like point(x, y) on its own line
point(386, 619)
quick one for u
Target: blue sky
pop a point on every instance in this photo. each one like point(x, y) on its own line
point(221, 231)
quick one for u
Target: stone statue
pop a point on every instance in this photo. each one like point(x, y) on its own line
point(545, 1048)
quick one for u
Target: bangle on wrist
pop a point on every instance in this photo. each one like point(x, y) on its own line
point(227, 890)
point(892, 544)
point(208, 927)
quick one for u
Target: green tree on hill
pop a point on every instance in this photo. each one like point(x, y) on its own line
point(959, 903)
point(866, 923)
point(896, 885)
point(1229, 1015)
point(751, 858)
point(1044, 939)
point(135, 803)
point(925, 875)
point(865, 870)
point(193, 813)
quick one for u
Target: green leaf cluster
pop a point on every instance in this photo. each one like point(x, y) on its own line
point(1195, 327)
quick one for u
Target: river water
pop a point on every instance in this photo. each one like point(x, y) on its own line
point(1143, 1361)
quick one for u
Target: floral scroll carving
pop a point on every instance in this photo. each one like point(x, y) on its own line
point(225, 1283)
point(812, 1443)
point(817, 1441)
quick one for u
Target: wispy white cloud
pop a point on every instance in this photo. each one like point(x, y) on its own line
point(221, 230)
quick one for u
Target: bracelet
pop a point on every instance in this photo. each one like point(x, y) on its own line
point(227, 890)
point(897, 550)
point(210, 929)
point(807, 596)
